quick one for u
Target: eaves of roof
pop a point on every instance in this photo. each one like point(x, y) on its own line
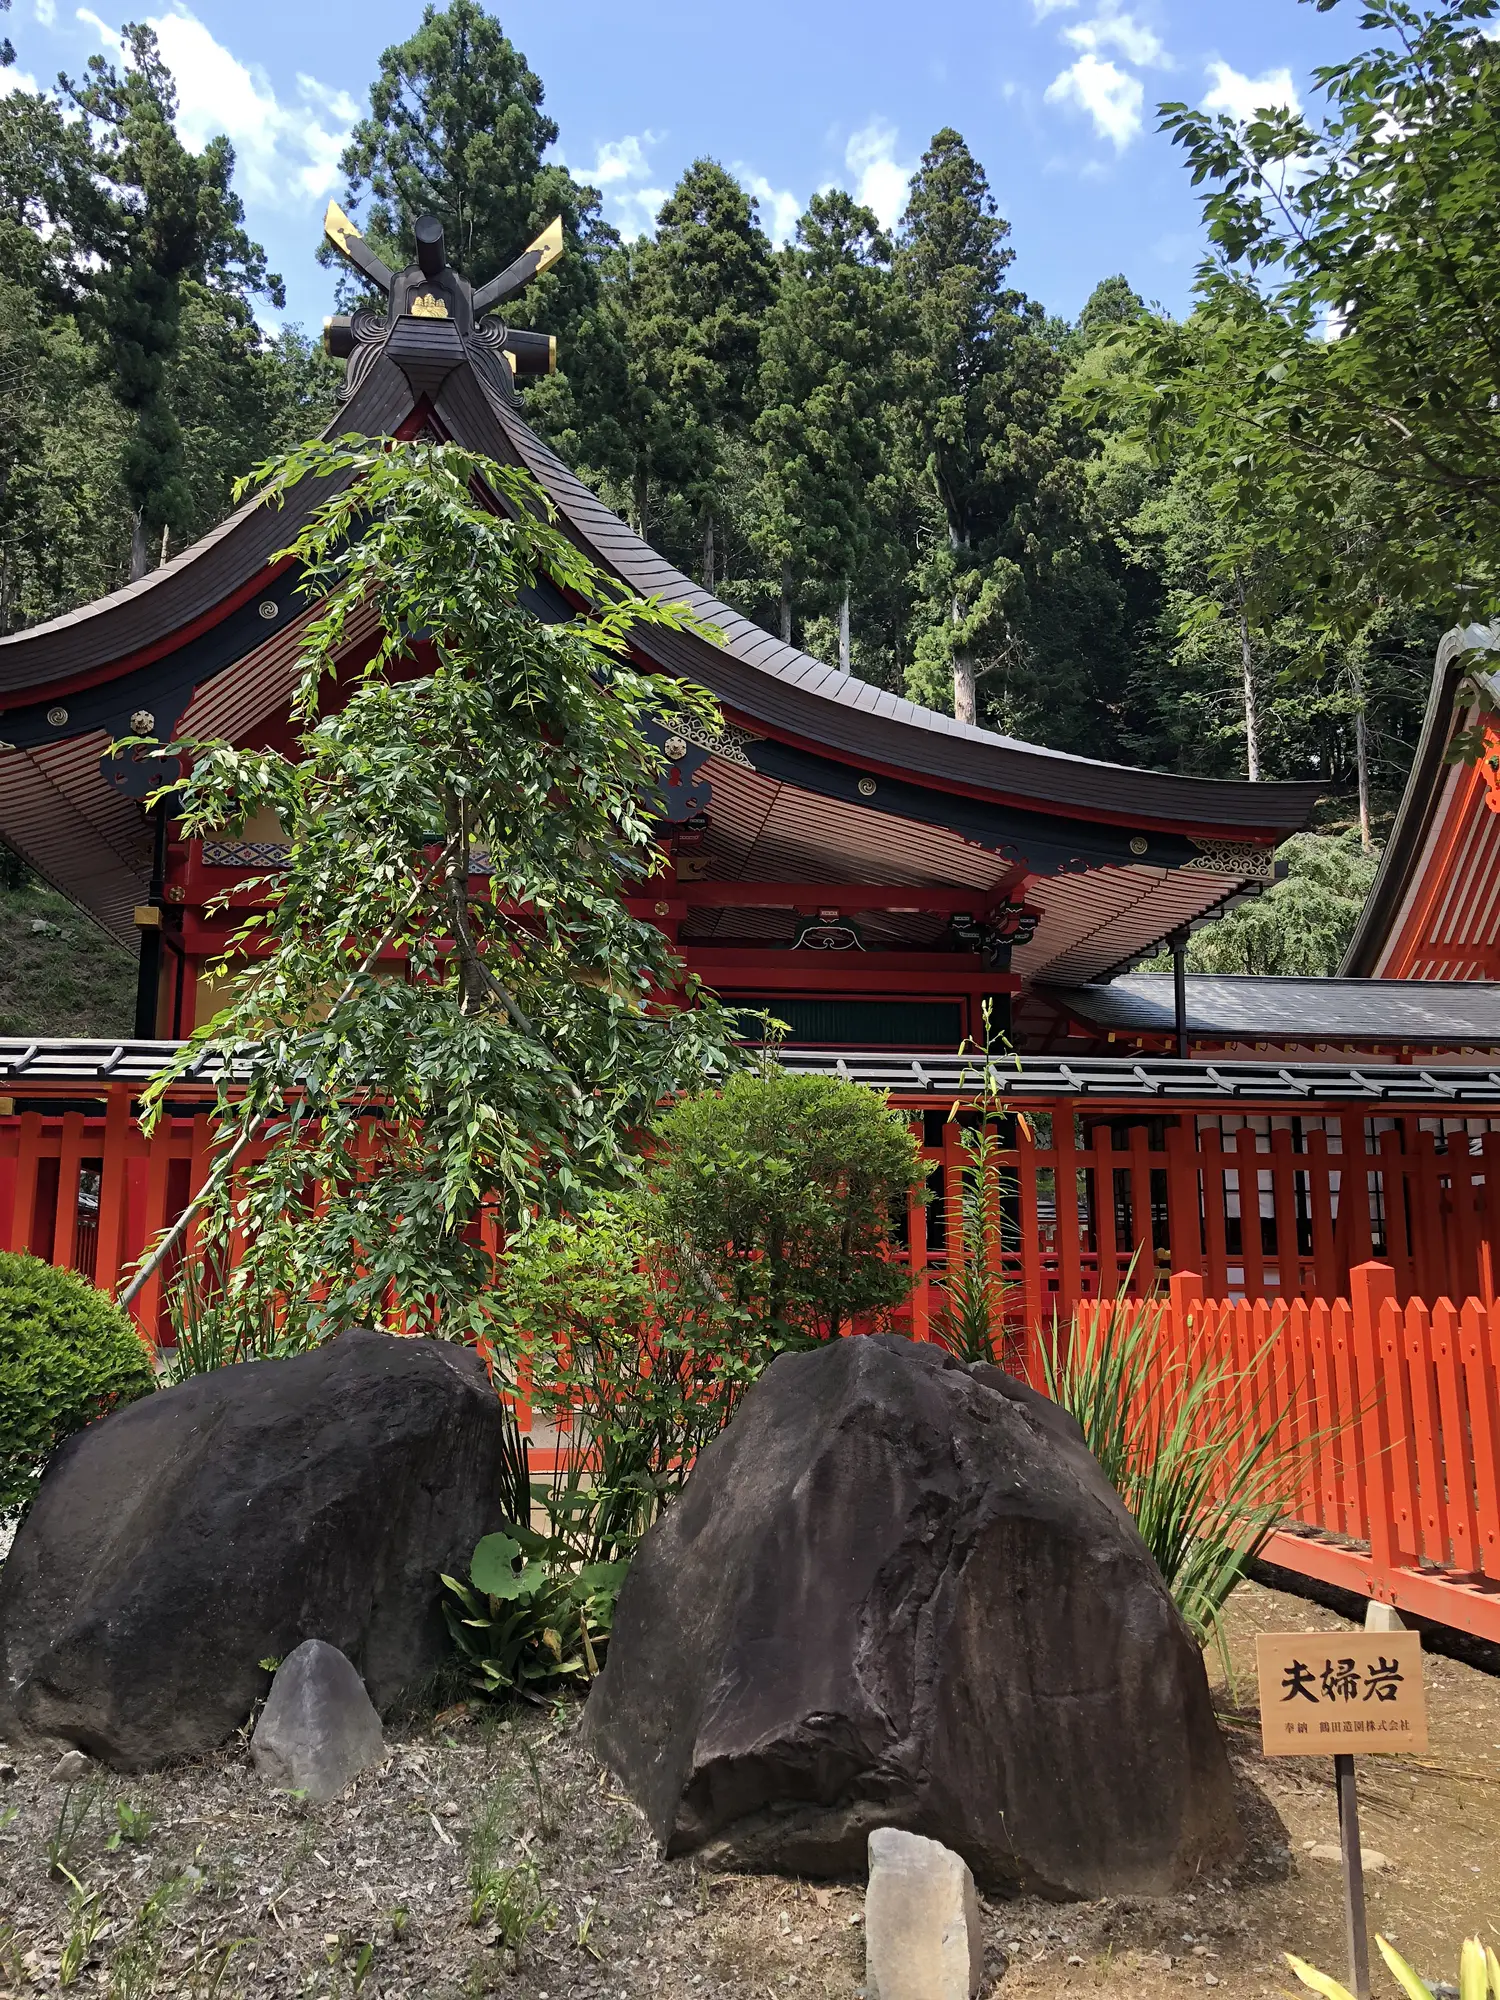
point(1419, 802)
point(747, 668)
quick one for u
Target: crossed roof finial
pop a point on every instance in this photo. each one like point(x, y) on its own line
point(430, 289)
point(432, 258)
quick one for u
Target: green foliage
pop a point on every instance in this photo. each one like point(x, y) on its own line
point(1478, 1974)
point(970, 1323)
point(67, 1357)
point(158, 217)
point(1191, 1448)
point(776, 1195)
point(829, 350)
point(422, 1040)
point(1301, 925)
point(1341, 364)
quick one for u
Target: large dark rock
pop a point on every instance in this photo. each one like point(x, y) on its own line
point(181, 1541)
point(899, 1592)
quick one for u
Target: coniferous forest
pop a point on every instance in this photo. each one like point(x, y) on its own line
point(872, 443)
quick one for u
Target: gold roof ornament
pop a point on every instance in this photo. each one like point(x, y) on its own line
point(428, 307)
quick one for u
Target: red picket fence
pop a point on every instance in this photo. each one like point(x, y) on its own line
point(1392, 1411)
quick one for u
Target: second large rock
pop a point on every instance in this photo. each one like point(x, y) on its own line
point(180, 1542)
point(899, 1592)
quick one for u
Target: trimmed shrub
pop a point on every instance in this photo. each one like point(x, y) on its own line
point(67, 1356)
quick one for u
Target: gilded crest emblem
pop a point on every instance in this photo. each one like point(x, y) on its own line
point(428, 307)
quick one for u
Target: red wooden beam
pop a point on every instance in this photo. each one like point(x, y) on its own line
point(814, 896)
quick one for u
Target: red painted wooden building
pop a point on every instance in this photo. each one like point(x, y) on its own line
point(872, 871)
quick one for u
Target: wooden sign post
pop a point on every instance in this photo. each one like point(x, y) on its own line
point(1343, 1694)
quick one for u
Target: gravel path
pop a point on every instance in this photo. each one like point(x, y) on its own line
point(482, 1826)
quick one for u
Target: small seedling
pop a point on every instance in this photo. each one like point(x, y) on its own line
point(67, 1835)
point(85, 1921)
point(132, 1823)
point(400, 1918)
point(512, 1897)
point(10, 1813)
point(135, 1966)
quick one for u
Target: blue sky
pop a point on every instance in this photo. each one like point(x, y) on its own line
point(1056, 97)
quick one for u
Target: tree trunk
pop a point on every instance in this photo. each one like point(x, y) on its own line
point(708, 549)
point(1247, 670)
point(965, 708)
point(640, 494)
point(786, 600)
point(844, 632)
point(166, 536)
point(137, 547)
point(1361, 752)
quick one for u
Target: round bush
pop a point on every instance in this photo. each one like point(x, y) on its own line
point(67, 1356)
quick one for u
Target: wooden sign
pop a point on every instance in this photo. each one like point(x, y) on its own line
point(1330, 1694)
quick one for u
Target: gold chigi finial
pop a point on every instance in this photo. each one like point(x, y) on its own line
point(427, 307)
point(337, 227)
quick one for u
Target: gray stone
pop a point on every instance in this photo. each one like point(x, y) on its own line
point(69, 1768)
point(318, 1729)
point(180, 1541)
point(922, 1932)
point(900, 1592)
point(1383, 1617)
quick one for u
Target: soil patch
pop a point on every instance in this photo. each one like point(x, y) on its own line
point(256, 1894)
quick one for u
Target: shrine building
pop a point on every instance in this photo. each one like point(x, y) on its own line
point(881, 877)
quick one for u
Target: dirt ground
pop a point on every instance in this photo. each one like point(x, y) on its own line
point(207, 1884)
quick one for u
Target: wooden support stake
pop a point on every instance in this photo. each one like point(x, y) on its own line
point(1354, 1878)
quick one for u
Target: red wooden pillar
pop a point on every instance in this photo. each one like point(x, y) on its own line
point(1371, 1287)
point(1247, 1170)
point(28, 1155)
point(69, 1165)
point(1069, 1216)
point(113, 1189)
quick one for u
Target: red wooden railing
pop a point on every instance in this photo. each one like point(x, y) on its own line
point(1271, 1206)
point(1390, 1412)
point(1084, 1198)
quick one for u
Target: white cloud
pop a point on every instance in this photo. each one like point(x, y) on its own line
point(1240, 97)
point(17, 79)
point(620, 171)
point(780, 209)
point(1128, 37)
point(1110, 96)
point(1042, 8)
point(881, 181)
point(285, 152)
point(46, 12)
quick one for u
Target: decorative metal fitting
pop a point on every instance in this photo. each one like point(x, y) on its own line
point(269, 609)
point(142, 721)
point(58, 717)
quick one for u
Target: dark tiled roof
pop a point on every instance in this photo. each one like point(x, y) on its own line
point(52, 1067)
point(1293, 1010)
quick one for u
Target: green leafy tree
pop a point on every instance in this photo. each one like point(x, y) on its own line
point(776, 1197)
point(697, 296)
point(829, 352)
point(1301, 926)
point(160, 218)
point(1345, 354)
point(445, 1009)
point(456, 129)
point(952, 258)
